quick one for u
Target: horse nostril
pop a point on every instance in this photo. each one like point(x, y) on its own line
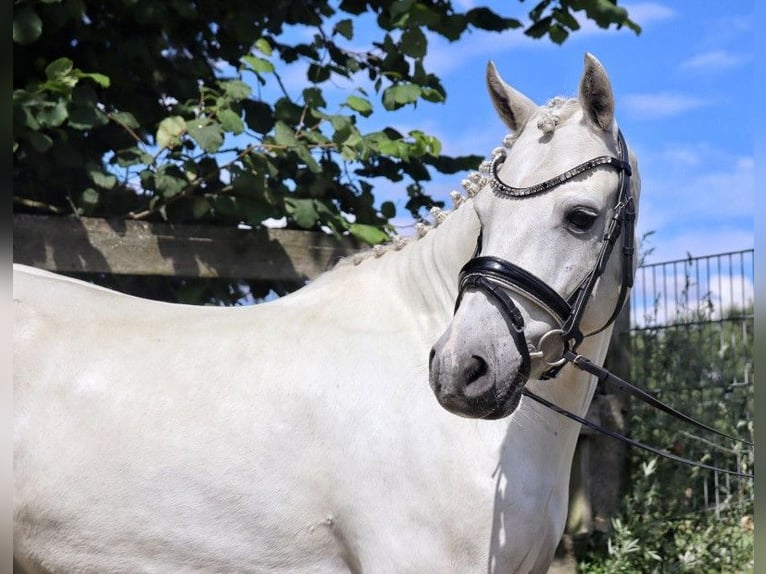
point(431, 356)
point(475, 369)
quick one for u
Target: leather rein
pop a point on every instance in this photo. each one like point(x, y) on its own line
point(495, 276)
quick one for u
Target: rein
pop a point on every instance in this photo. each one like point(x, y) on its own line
point(494, 276)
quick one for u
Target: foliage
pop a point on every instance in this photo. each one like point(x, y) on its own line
point(179, 111)
point(651, 538)
point(688, 519)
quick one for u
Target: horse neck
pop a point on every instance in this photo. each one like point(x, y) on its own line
point(427, 271)
point(421, 278)
point(572, 390)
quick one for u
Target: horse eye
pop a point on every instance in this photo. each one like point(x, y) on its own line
point(581, 219)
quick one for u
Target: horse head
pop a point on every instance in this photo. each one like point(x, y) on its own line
point(551, 205)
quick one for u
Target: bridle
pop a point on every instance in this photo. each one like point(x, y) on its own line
point(495, 277)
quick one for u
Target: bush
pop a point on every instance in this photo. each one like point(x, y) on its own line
point(675, 518)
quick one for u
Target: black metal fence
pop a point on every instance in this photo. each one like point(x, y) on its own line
point(692, 346)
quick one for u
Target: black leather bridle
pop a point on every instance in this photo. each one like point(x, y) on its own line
point(487, 273)
point(495, 276)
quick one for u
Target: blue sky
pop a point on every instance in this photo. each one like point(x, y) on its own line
point(683, 89)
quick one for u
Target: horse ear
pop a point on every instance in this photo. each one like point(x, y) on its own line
point(596, 97)
point(513, 107)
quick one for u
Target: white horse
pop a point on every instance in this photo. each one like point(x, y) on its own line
point(301, 435)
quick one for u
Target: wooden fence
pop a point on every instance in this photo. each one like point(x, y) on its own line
point(125, 247)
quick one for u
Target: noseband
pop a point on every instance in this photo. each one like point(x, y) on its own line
point(493, 275)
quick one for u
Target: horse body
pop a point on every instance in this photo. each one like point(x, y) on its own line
point(294, 436)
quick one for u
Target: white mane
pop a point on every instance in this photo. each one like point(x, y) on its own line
point(555, 111)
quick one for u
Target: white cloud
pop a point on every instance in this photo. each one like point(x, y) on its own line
point(680, 286)
point(731, 28)
point(685, 156)
point(445, 57)
point(645, 13)
point(669, 244)
point(746, 163)
point(662, 104)
point(696, 198)
point(713, 61)
point(688, 197)
point(731, 290)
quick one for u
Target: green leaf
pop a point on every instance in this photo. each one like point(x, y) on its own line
point(486, 19)
point(125, 118)
point(226, 205)
point(100, 79)
point(284, 135)
point(414, 43)
point(53, 114)
point(314, 98)
point(237, 89)
point(395, 97)
point(557, 33)
point(169, 132)
point(253, 210)
point(356, 6)
point(89, 197)
point(305, 154)
point(63, 85)
point(231, 122)
point(318, 74)
point(170, 181)
point(316, 137)
point(605, 12)
point(206, 133)
point(100, 178)
point(424, 144)
point(360, 105)
point(345, 28)
point(368, 233)
point(259, 116)
point(200, 206)
point(258, 65)
point(302, 211)
point(39, 141)
point(565, 18)
point(538, 10)
point(343, 129)
point(539, 28)
point(57, 69)
point(288, 112)
point(432, 95)
point(263, 46)
point(85, 116)
point(27, 25)
point(131, 156)
point(388, 209)
point(248, 183)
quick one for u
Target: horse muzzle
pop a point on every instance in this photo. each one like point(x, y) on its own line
point(468, 384)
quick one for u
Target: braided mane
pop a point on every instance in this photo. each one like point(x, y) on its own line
point(555, 111)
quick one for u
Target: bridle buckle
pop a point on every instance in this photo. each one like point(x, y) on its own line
point(549, 348)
